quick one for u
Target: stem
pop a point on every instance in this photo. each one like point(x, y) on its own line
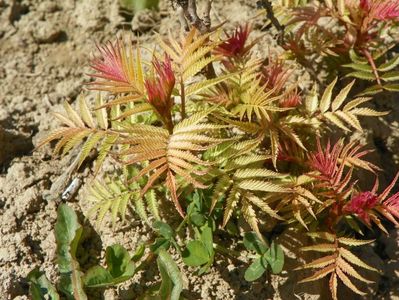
point(270, 15)
point(373, 66)
point(182, 224)
point(190, 12)
point(230, 253)
point(206, 16)
point(169, 123)
point(183, 100)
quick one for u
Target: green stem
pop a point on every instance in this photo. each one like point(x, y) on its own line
point(182, 224)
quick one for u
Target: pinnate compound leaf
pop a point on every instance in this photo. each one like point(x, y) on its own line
point(40, 287)
point(340, 98)
point(258, 185)
point(392, 87)
point(320, 248)
point(354, 242)
point(325, 101)
point(353, 259)
point(319, 274)
point(341, 275)
point(389, 65)
point(360, 67)
point(67, 233)
point(390, 76)
point(362, 75)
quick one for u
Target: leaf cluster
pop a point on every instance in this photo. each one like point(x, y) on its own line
point(208, 133)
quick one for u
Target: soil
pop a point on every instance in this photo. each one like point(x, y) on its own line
point(45, 47)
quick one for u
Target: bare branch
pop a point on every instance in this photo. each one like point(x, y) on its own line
point(270, 15)
point(182, 19)
point(190, 12)
point(207, 12)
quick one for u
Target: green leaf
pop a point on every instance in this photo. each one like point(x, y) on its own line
point(253, 243)
point(195, 254)
point(361, 75)
point(275, 258)
point(166, 283)
point(152, 204)
point(197, 219)
point(390, 76)
point(97, 276)
point(117, 259)
point(40, 287)
point(163, 229)
point(120, 268)
point(256, 269)
point(359, 67)
point(356, 58)
point(67, 233)
point(392, 87)
point(325, 101)
point(389, 65)
point(160, 243)
point(170, 273)
point(207, 238)
point(375, 89)
point(138, 254)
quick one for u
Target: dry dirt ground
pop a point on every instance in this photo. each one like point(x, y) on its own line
point(45, 47)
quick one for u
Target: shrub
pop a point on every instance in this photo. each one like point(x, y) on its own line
point(221, 134)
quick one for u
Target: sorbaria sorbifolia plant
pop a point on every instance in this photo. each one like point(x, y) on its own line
point(221, 134)
point(345, 37)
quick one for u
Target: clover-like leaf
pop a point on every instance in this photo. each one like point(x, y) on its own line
point(164, 229)
point(253, 243)
point(40, 287)
point(68, 232)
point(275, 257)
point(120, 267)
point(256, 269)
point(172, 279)
point(195, 254)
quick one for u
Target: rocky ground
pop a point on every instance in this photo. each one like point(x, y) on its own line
point(45, 47)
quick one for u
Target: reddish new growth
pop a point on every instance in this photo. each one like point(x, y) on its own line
point(381, 9)
point(234, 46)
point(361, 204)
point(291, 99)
point(160, 88)
point(275, 75)
point(392, 205)
point(109, 65)
point(325, 161)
